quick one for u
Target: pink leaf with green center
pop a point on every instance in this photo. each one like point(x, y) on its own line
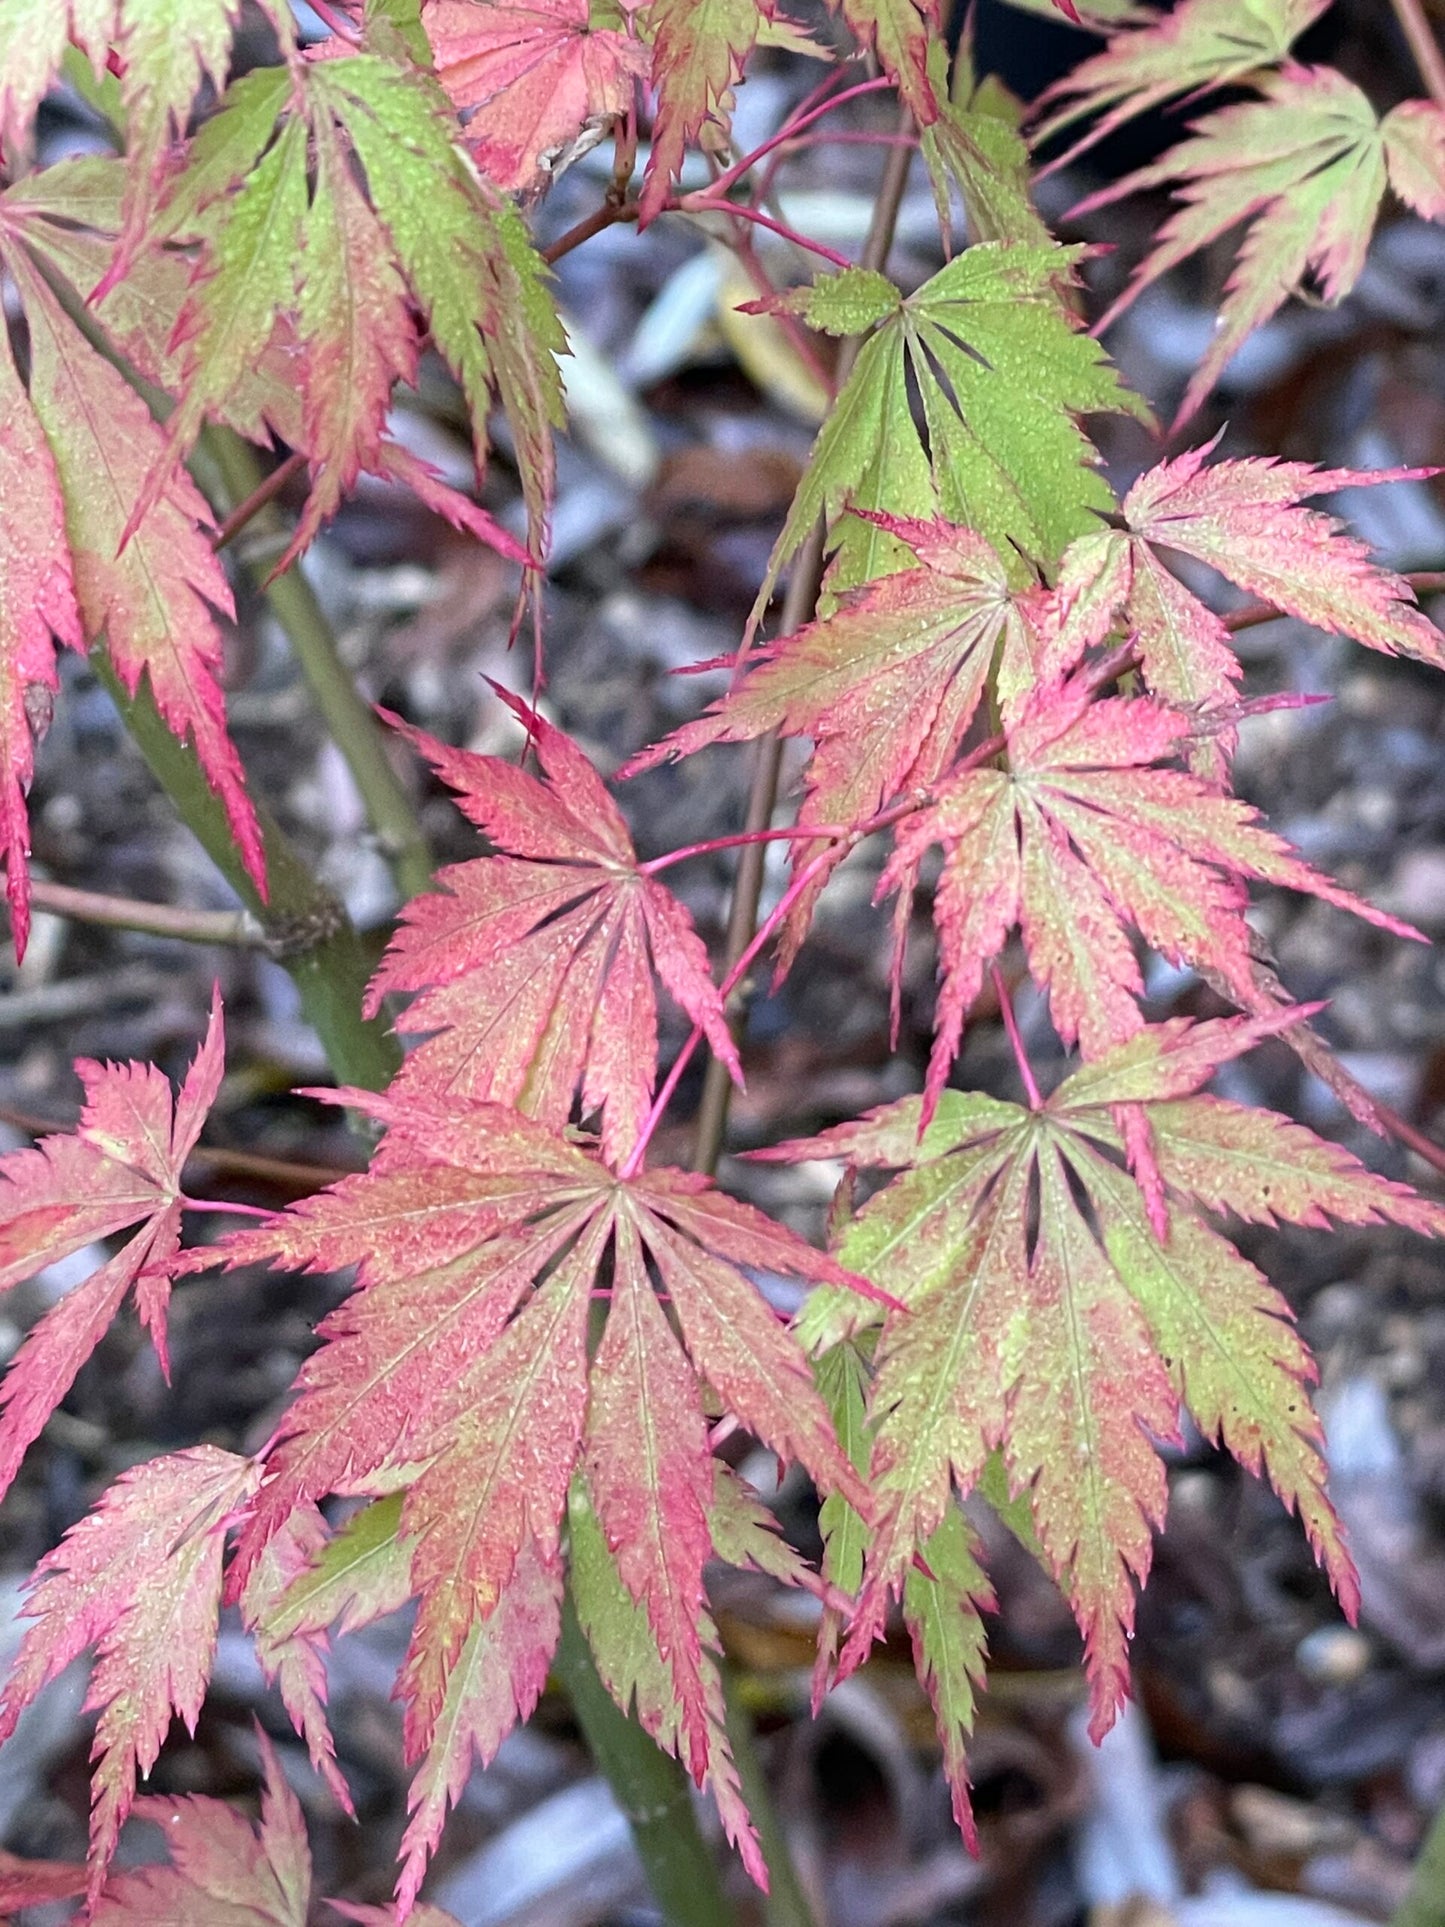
point(1305, 167)
point(154, 603)
point(535, 965)
point(37, 609)
point(221, 1870)
point(121, 1167)
point(1084, 835)
point(140, 1580)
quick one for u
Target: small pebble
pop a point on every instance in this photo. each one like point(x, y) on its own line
point(1333, 1655)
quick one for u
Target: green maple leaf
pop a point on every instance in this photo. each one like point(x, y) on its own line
point(1045, 1316)
point(1002, 372)
point(631, 1662)
point(466, 255)
point(319, 270)
point(166, 48)
point(354, 331)
point(975, 147)
point(1307, 167)
point(944, 1596)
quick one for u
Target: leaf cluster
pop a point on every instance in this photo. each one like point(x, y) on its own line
point(519, 1409)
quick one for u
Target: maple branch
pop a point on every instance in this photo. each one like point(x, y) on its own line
point(795, 833)
point(600, 219)
point(292, 1173)
point(701, 202)
point(1011, 1026)
point(1413, 1139)
point(264, 492)
point(798, 605)
point(308, 931)
point(651, 1788)
point(1423, 45)
point(790, 130)
point(227, 1208)
point(238, 929)
point(351, 721)
point(218, 1158)
point(798, 337)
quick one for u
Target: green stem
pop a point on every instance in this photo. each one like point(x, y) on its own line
point(1424, 1905)
point(352, 722)
point(307, 929)
point(787, 1904)
point(652, 1789)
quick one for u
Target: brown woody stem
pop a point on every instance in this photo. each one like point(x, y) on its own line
point(235, 928)
point(264, 492)
point(1423, 45)
point(798, 605)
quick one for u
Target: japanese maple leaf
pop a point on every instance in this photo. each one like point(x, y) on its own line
point(1002, 372)
point(538, 83)
point(354, 328)
point(69, 215)
point(1082, 835)
point(120, 1167)
point(975, 147)
point(944, 1595)
point(632, 1659)
point(165, 48)
point(466, 256)
point(461, 1369)
point(900, 32)
point(886, 684)
point(37, 608)
point(699, 48)
point(352, 333)
point(290, 1647)
point(1244, 519)
point(221, 1868)
point(33, 1883)
point(154, 602)
point(1307, 166)
point(306, 205)
point(139, 1579)
point(535, 965)
point(1048, 1320)
point(1198, 45)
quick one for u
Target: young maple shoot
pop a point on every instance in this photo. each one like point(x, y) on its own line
point(514, 1414)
